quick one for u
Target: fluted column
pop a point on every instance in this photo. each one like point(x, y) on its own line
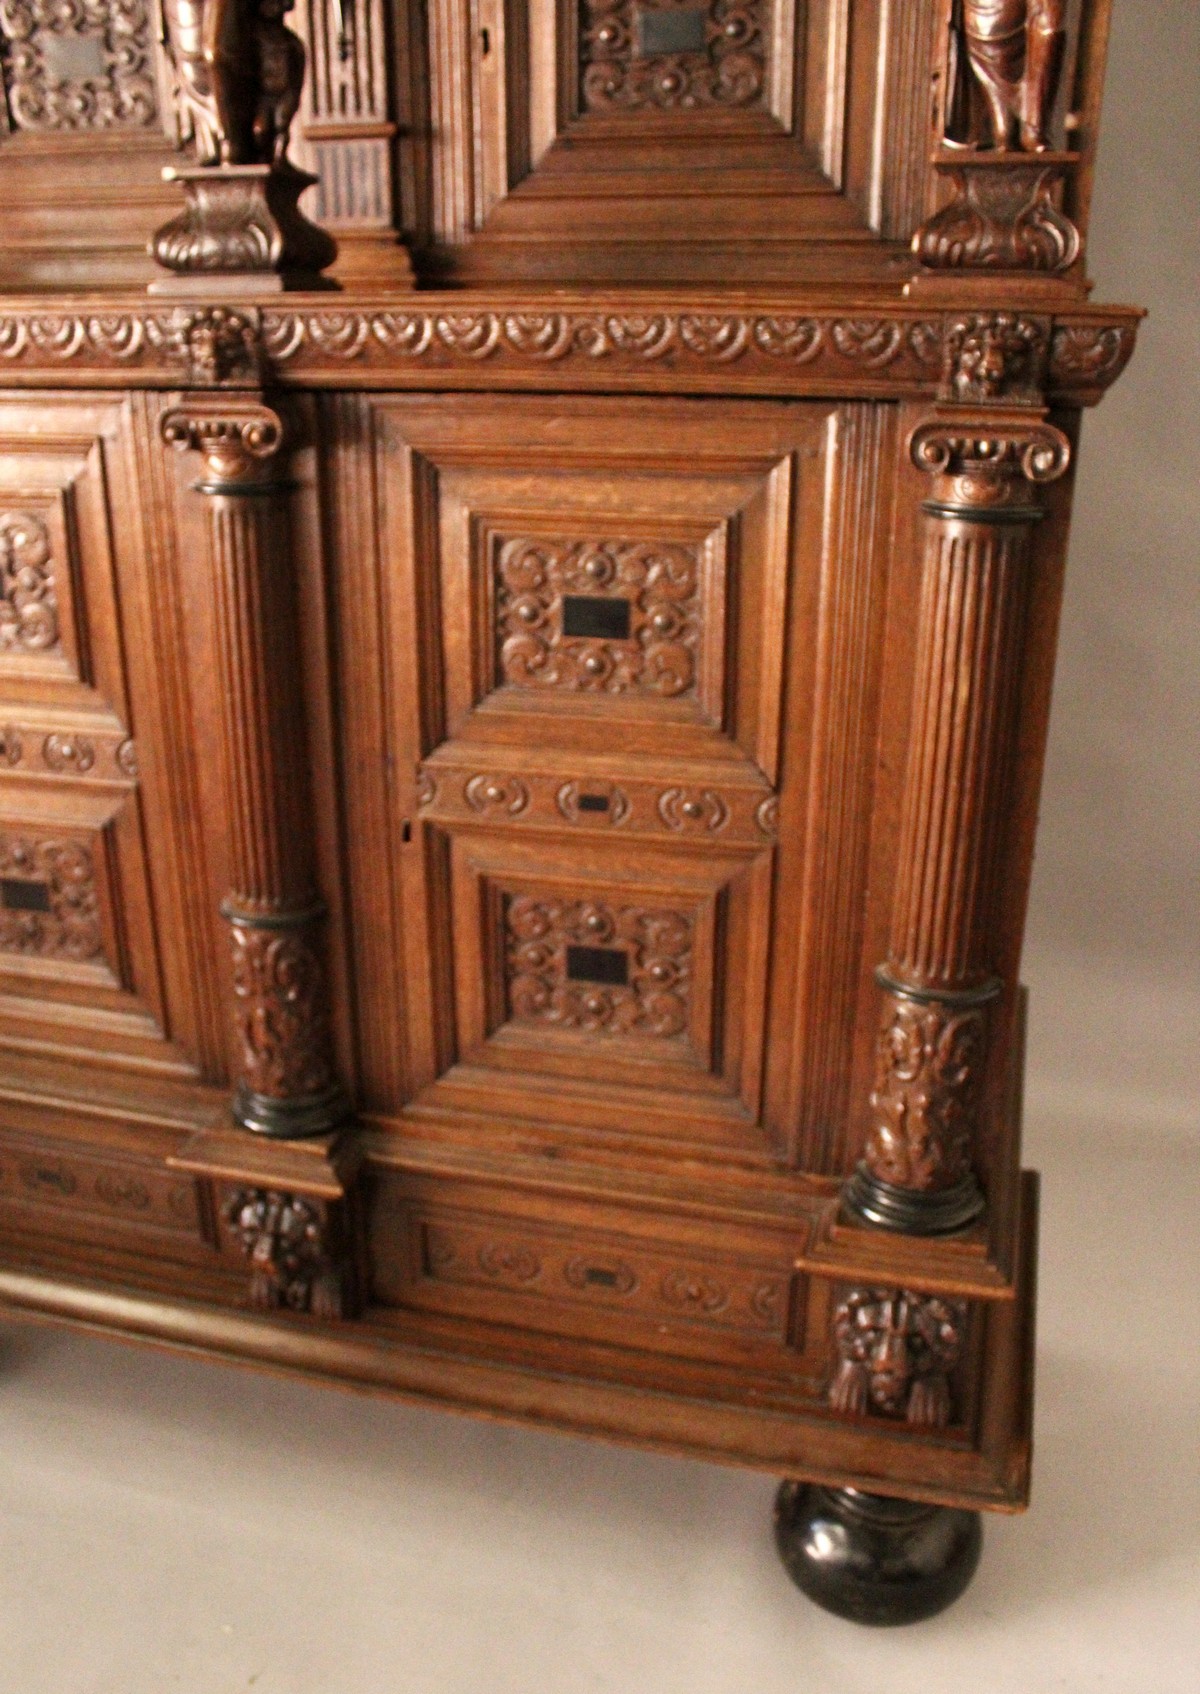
point(282, 1050)
point(938, 981)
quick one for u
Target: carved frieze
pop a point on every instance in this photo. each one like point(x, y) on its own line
point(590, 966)
point(902, 353)
point(101, 756)
point(286, 1238)
point(896, 1352)
point(609, 617)
point(49, 905)
point(78, 64)
point(29, 621)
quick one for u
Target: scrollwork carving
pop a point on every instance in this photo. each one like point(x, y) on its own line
point(50, 905)
point(896, 1353)
point(28, 601)
point(544, 937)
point(652, 589)
point(672, 55)
point(78, 64)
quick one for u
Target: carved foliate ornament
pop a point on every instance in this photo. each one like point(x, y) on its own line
point(29, 620)
point(926, 1087)
point(287, 1239)
point(896, 1353)
point(49, 902)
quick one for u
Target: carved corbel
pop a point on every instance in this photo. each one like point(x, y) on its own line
point(289, 1241)
point(282, 1057)
point(938, 983)
point(896, 1353)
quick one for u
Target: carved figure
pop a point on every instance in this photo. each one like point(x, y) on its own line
point(1015, 49)
point(896, 1350)
point(238, 75)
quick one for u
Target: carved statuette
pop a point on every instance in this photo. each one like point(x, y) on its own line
point(896, 1352)
point(237, 71)
point(1004, 211)
point(286, 1239)
point(1014, 49)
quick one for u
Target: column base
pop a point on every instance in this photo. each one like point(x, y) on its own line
point(909, 1211)
point(874, 1559)
point(291, 1120)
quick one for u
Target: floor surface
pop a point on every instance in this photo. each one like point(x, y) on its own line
point(169, 1524)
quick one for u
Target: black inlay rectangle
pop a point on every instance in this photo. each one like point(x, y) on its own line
point(597, 616)
point(670, 30)
point(593, 802)
point(600, 1278)
point(17, 895)
point(598, 964)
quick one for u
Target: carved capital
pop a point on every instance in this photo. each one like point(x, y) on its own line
point(987, 470)
point(237, 439)
point(290, 1242)
point(896, 1352)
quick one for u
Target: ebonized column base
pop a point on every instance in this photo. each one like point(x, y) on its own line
point(909, 1211)
point(871, 1558)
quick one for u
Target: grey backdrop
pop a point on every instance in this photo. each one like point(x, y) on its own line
point(1114, 927)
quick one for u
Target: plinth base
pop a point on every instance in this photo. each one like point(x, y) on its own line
point(241, 230)
point(874, 1559)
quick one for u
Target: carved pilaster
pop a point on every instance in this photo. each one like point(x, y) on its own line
point(282, 1054)
point(937, 982)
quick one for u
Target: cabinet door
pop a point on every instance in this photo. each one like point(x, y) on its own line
point(95, 925)
point(602, 633)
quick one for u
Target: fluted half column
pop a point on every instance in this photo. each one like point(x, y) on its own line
point(282, 1049)
point(938, 981)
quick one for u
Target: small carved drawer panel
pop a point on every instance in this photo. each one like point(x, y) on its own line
point(45, 1185)
point(693, 1300)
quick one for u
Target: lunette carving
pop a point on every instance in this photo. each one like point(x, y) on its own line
point(287, 1240)
point(654, 945)
point(672, 54)
point(896, 1352)
point(78, 64)
point(28, 603)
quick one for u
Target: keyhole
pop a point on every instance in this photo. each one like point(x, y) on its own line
point(485, 43)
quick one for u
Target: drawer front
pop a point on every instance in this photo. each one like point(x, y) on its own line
point(607, 1284)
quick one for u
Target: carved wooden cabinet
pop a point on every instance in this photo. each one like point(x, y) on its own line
point(519, 747)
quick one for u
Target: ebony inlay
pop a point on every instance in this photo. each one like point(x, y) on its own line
point(19, 895)
point(593, 802)
point(595, 616)
point(598, 964)
point(669, 31)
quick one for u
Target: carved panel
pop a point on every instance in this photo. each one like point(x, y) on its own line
point(55, 1177)
point(78, 64)
point(591, 966)
point(29, 615)
point(605, 616)
point(617, 1274)
point(49, 906)
point(896, 1352)
point(673, 55)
